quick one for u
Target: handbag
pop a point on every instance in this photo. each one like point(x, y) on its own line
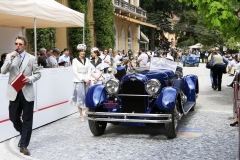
point(224, 69)
point(208, 65)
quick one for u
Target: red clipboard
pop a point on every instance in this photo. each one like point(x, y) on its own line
point(17, 82)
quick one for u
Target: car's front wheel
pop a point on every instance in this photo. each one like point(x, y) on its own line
point(171, 128)
point(97, 128)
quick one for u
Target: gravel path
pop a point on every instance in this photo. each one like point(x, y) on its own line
point(69, 138)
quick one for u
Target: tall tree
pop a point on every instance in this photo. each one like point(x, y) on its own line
point(222, 15)
point(159, 12)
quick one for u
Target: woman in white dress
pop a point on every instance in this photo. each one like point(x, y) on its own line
point(82, 73)
point(97, 67)
point(115, 58)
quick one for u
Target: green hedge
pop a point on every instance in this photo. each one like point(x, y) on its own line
point(75, 35)
point(46, 38)
point(104, 22)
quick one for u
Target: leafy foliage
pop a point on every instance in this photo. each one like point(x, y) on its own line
point(46, 38)
point(104, 22)
point(76, 34)
point(222, 15)
point(159, 12)
point(195, 31)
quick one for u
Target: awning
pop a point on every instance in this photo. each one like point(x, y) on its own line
point(48, 13)
point(134, 20)
point(144, 37)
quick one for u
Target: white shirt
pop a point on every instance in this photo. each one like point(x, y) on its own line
point(143, 58)
point(105, 57)
point(115, 60)
point(52, 61)
point(232, 63)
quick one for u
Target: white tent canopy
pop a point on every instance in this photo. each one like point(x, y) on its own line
point(48, 13)
point(198, 45)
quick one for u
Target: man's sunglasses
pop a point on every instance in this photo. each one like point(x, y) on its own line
point(20, 44)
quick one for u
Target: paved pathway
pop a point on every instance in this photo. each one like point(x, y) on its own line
point(211, 136)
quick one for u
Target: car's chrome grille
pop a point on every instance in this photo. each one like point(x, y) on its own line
point(130, 103)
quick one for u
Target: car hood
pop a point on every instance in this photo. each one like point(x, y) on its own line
point(160, 74)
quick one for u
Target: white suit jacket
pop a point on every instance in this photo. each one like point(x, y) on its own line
point(29, 68)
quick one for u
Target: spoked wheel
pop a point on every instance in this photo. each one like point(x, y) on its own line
point(171, 128)
point(97, 127)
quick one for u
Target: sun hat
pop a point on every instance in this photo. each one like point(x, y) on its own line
point(81, 46)
point(94, 49)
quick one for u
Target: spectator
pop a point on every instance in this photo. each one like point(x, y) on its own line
point(43, 60)
point(106, 60)
point(125, 63)
point(143, 58)
point(52, 60)
point(231, 65)
point(3, 57)
point(217, 63)
point(97, 67)
point(115, 58)
point(202, 56)
point(110, 52)
point(120, 71)
point(206, 56)
point(109, 75)
point(42, 51)
point(65, 57)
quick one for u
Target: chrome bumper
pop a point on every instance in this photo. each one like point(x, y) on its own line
point(125, 115)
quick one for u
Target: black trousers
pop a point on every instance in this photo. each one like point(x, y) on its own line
point(217, 75)
point(24, 126)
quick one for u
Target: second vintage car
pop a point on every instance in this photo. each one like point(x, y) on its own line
point(190, 61)
point(152, 95)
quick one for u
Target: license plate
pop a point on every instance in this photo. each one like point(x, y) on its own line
point(111, 104)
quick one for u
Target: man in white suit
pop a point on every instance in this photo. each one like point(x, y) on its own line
point(22, 101)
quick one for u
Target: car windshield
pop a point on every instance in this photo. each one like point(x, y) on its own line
point(158, 63)
point(163, 63)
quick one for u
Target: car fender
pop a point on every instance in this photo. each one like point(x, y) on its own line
point(167, 98)
point(95, 96)
point(191, 87)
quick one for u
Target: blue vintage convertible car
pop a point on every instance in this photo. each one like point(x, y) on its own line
point(155, 94)
point(190, 61)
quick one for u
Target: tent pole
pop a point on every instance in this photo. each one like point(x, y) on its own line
point(35, 37)
point(84, 30)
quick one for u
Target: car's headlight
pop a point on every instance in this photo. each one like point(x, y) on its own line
point(187, 58)
point(112, 86)
point(152, 86)
point(194, 58)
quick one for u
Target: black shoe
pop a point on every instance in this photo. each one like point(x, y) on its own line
point(233, 124)
point(230, 85)
point(215, 87)
point(212, 85)
point(231, 75)
point(219, 89)
point(25, 151)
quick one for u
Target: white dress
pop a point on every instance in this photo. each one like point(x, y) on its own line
point(80, 89)
point(96, 68)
